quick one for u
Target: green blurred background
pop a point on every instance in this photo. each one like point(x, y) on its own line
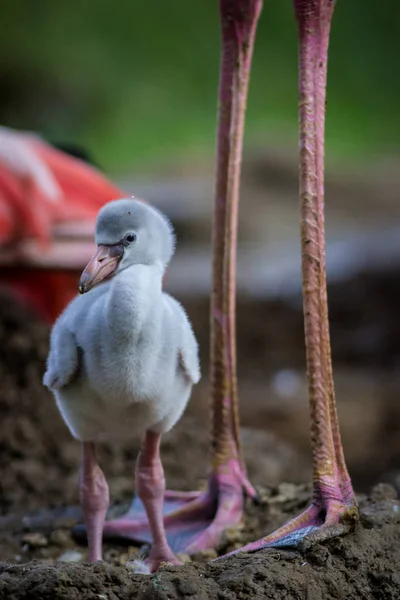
point(135, 82)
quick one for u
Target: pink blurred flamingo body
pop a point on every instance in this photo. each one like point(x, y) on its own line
point(48, 204)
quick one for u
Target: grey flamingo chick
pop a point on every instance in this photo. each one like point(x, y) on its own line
point(123, 360)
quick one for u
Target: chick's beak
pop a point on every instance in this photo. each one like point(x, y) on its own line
point(102, 265)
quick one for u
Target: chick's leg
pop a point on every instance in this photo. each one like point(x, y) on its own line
point(94, 498)
point(150, 485)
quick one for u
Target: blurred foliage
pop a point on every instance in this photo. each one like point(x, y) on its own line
point(136, 81)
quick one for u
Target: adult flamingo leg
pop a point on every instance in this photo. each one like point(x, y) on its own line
point(194, 520)
point(333, 510)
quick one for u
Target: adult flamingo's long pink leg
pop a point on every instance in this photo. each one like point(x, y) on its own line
point(333, 510)
point(196, 521)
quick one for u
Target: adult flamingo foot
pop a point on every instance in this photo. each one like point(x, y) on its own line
point(194, 521)
point(329, 515)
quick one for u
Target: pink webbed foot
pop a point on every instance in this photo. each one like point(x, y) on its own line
point(333, 512)
point(186, 514)
point(193, 521)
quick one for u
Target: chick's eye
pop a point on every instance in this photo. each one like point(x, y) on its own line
point(130, 238)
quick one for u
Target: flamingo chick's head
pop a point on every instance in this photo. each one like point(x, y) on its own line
point(128, 232)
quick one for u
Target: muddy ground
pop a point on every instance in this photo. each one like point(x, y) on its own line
point(364, 565)
point(39, 460)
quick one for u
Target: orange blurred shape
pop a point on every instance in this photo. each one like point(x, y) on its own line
point(29, 222)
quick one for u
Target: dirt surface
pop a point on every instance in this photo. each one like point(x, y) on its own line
point(39, 462)
point(361, 565)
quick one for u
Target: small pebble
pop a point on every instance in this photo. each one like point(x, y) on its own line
point(204, 556)
point(123, 559)
point(286, 492)
point(47, 561)
point(35, 540)
point(138, 566)
point(60, 538)
point(233, 535)
point(65, 523)
point(71, 556)
point(264, 495)
point(383, 491)
point(113, 556)
point(184, 558)
point(133, 551)
point(318, 555)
